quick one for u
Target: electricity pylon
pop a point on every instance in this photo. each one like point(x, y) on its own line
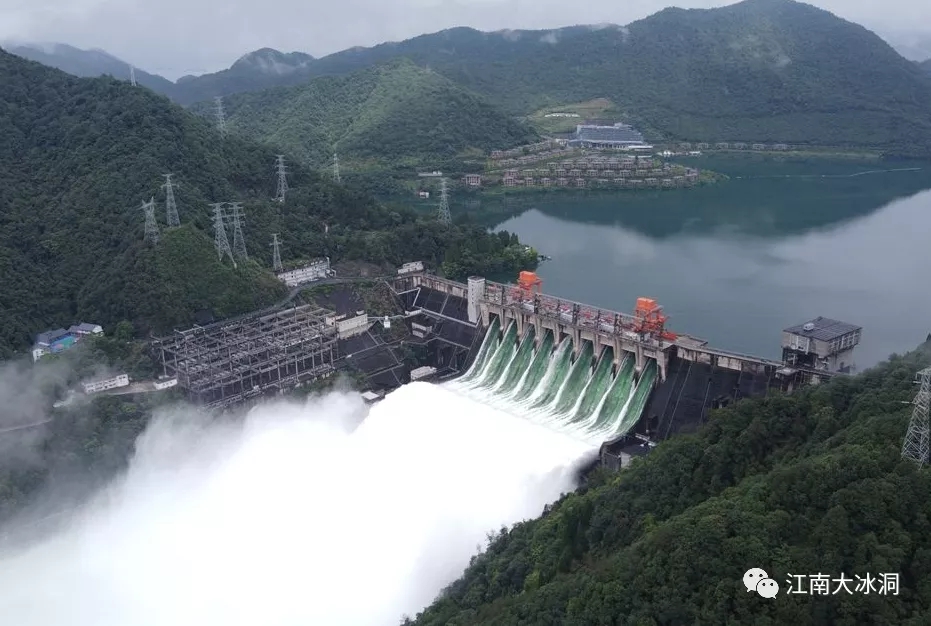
point(915, 447)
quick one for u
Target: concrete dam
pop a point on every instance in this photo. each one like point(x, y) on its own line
point(616, 380)
point(569, 389)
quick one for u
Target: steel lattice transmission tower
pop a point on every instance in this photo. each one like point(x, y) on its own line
point(171, 207)
point(336, 167)
point(221, 116)
point(239, 243)
point(132, 76)
point(151, 226)
point(219, 229)
point(916, 443)
point(276, 254)
point(443, 211)
point(282, 170)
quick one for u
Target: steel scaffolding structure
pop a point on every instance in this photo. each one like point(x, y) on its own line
point(228, 362)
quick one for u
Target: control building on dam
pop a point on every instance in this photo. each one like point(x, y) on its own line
point(666, 382)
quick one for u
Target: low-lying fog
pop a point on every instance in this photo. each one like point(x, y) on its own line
point(301, 514)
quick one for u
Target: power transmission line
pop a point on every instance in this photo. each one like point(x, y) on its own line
point(151, 226)
point(282, 170)
point(219, 228)
point(443, 210)
point(171, 208)
point(220, 115)
point(276, 253)
point(239, 243)
point(916, 442)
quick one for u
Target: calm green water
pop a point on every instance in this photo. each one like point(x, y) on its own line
point(735, 263)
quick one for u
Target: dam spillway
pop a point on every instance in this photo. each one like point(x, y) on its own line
point(555, 383)
point(603, 376)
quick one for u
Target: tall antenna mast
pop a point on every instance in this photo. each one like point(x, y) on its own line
point(443, 211)
point(171, 208)
point(915, 447)
point(276, 253)
point(282, 170)
point(336, 167)
point(219, 229)
point(239, 244)
point(132, 75)
point(151, 226)
point(221, 116)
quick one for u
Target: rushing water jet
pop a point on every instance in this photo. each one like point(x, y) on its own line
point(300, 515)
point(562, 388)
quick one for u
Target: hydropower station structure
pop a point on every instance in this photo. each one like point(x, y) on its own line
point(621, 382)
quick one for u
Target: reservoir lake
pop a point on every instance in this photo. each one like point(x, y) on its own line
point(778, 243)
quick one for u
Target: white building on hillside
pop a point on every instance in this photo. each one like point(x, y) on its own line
point(349, 326)
point(410, 268)
point(84, 329)
point(121, 380)
point(315, 270)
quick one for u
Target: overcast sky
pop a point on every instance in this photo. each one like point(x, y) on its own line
point(175, 37)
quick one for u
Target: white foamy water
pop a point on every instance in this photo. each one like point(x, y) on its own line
point(299, 516)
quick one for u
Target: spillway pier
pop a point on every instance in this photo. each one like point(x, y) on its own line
point(580, 322)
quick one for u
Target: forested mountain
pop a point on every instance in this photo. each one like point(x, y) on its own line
point(811, 483)
point(394, 111)
point(926, 66)
point(79, 156)
point(260, 69)
point(766, 70)
point(759, 70)
point(89, 64)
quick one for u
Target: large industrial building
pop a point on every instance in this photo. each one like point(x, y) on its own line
point(228, 362)
point(619, 135)
point(442, 325)
point(821, 344)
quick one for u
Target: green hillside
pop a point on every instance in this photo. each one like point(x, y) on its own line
point(803, 484)
point(926, 66)
point(77, 158)
point(760, 70)
point(397, 112)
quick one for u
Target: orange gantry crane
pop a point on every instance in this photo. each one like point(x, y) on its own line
point(650, 319)
point(529, 281)
point(528, 285)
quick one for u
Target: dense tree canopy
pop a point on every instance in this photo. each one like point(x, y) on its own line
point(393, 111)
point(79, 156)
point(802, 484)
point(759, 70)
